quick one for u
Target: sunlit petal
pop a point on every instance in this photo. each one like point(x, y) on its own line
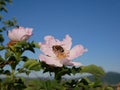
point(76, 51)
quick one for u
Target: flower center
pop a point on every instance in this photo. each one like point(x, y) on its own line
point(59, 52)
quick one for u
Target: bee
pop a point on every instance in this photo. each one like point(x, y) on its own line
point(59, 51)
point(58, 48)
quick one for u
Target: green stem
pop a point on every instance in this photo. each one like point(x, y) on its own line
point(13, 74)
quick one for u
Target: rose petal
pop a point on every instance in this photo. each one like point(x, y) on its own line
point(64, 61)
point(50, 61)
point(74, 64)
point(29, 31)
point(51, 40)
point(19, 34)
point(67, 42)
point(46, 49)
point(25, 33)
point(76, 51)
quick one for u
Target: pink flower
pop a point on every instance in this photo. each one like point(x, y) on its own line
point(58, 53)
point(19, 34)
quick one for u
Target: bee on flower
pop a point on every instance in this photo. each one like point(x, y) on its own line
point(58, 53)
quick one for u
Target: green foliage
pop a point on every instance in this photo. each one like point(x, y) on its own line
point(22, 46)
point(44, 85)
point(1, 38)
point(93, 69)
point(2, 47)
point(32, 65)
point(5, 24)
point(10, 23)
point(12, 84)
point(59, 72)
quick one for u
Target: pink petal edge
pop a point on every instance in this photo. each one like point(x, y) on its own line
point(50, 61)
point(67, 42)
point(75, 64)
point(76, 51)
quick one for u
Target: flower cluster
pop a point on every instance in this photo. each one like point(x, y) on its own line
point(55, 52)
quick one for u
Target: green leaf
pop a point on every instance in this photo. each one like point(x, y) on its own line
point(23, 46)
point(36, 45)
point(7, 72)
point(30, 47)
point(28, 63)
point(9, 1)
point(2, 2)
point(85, 81)
point(92, 69)
point(35, 66)
point(8, 54)
point(1, 17)
point(61, 71)
point(32, 65)
point(1, 71)
point(10, 23)
point(24, 58)
point(1, 58)
point(75, 70)
point(1, 38)
point(1, 30)
point(2, 47)
point(44, 85)
point(5, 9)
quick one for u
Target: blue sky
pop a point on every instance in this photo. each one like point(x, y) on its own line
point(93, 23)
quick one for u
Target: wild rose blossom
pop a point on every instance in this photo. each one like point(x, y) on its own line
point(19, 34)
point(58, 53)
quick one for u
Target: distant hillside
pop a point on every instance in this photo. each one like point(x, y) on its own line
point(111, 78)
